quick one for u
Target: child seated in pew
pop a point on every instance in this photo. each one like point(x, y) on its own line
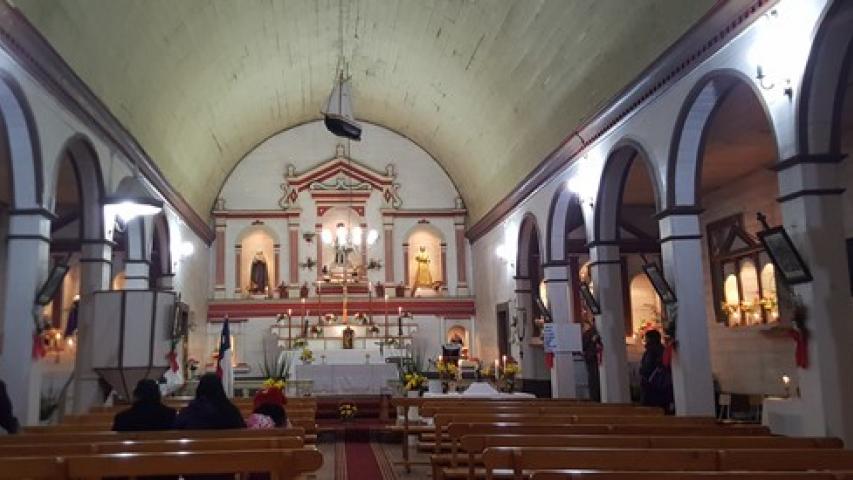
point(147, 413)
point(269, 409)
point(210, 409)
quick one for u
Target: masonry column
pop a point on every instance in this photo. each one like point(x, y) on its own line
point(219, 286)
point(28, 245)
point(443, 268)
point(563, 383)
point(318, 237)
point(293, 247)
point(681, 252)
point(238, 290)
point(461, 270)
point(606, 267)
point(95, 267)
point(406, 264)
point(810, 198)
point(388, 241)
point(524, 300)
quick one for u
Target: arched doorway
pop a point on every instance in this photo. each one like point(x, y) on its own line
point(530, 302)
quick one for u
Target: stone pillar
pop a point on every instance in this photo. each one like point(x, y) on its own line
point(461, 270)
point(293, 246)
point(95, 268)
point(606, 272)
point(364, 247)
point(28, 245)
point(681, 253)
point(524, 301)
point(137, 274)
point(563, 382)
point(166, 282)
point(406, 279)
point(238, 289)
point(388, 240)
point(810, 188)
point(319, 230)
point(219, 276)
point(443, 272)
point(276, 276)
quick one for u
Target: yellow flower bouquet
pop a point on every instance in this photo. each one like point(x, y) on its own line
point(277, 383)
point(347, 411)
point(447, 370)
point(307, 356)
point(414, 381)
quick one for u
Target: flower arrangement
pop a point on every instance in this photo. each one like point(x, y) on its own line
point(373, 330)
point(347, 411)
point(307, 356)
point(361, 318)
point(447, 370)
point(278, 370)
point(317, 330)
point(511, 370)
point(274, 383)
point(414, 381)
point(330, 318)
point(300, 343)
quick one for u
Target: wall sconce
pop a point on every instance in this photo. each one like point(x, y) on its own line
point(131, 200)
point(584, 184)
point(777, 45)
point(503, 252)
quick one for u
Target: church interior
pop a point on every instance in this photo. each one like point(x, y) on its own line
point(411, 239)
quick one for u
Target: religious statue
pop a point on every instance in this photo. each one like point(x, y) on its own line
point(349, 333)
point(258, 275)
point(422, 276)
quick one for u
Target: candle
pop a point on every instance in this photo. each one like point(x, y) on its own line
point(440, 358)
point(497, 367)
point(786, 380)
point(400, 310)
point(504, 360)
point(289, 311)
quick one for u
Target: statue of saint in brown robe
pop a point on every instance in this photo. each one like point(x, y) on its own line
point(258, 275)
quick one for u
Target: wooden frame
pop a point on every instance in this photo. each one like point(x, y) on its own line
point(784, 255)
point(661, 286)
point(589, 299)
point(52, 284)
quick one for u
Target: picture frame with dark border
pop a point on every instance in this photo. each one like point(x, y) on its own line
point(51, 285)
point(589, 299)
point(661, 286)
point(784, 255)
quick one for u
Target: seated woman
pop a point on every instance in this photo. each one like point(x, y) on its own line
point(210, 409)
point(269, 409)
point(147, 412)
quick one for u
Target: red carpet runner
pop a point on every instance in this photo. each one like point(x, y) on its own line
point(360, 458)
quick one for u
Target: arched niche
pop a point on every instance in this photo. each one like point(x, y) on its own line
point(645, 305)
point(566, 226)
point(355, 261)
point(161, 269)
point(459, 334)
point(426, 252)
point(260, 241)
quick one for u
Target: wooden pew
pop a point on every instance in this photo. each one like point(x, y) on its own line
point(47, 437)
point(430, 410)
point(33, 468)
point(598, 475)
point(138, 446)
point(280, 464)
point(474, 445)
point(522, 460)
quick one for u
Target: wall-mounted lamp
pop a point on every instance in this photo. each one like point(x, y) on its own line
point(503, 252)
point(131, 200)
point(778, 45)
point(186, 249)
point(584, 184)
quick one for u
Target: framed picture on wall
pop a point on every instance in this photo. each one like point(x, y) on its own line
point(51, 285)
point(589, 299)
point(659, 283)
point(784, 255)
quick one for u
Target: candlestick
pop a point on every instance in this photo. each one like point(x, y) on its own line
point(386, 317)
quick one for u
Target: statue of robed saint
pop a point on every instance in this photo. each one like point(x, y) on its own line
point(258, 275)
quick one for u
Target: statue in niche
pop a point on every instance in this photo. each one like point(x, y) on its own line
point(422, 276)
point(349, 334)
point(258, 275)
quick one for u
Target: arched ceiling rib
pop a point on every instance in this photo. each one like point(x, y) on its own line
point(488, 87)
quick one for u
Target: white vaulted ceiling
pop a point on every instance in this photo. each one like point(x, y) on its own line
point(488, 87)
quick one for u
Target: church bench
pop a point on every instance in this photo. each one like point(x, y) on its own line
point(33, 468)
point(474, 445)
point(280, 464)
point(127, 446)
point(603, 475)
point(106, 418)
point(526, 459)
point(50, 437)
point(431, 410)
point(309, 425)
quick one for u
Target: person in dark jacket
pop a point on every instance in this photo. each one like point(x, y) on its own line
point(210, 409)
point(7, 419)
point(147, 412)
point(655, 378)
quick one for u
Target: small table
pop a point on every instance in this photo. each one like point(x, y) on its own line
point(784, 416)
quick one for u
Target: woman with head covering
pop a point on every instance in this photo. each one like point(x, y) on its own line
point(147, 412)
point(7, 420)
point(655, 377)
point(269, 409)
point(210, 409)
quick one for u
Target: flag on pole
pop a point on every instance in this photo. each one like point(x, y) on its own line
point(224, 369)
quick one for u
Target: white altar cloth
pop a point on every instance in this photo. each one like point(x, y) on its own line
point(342, 379)
point(349, 357)
point(784, 416)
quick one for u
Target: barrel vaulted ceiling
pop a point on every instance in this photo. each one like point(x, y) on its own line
point(488, 87)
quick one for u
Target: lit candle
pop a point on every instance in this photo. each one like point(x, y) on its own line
point(504, 360)
point(497, 366)
point(289, 311)
point(440, 357)
point(786, 380)
point(400, 310)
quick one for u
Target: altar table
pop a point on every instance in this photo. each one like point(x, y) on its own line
point(344, 379)
point(784, 416)
point(351, 357)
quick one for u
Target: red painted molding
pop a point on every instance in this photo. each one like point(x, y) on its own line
point(724, 21)
point(256, 213)
point(425, 213)
point(445, 307)
point(29, 49)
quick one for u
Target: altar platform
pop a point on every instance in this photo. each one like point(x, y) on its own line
point(447, 307)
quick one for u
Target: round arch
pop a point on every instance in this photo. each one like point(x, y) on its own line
point(830, 60)
point(564, 216)
point(90, 184)
point(250, 229)
point(21, 146)
point(162, 245)
point(529, 239)
point(613, 179)
point(684, 165)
